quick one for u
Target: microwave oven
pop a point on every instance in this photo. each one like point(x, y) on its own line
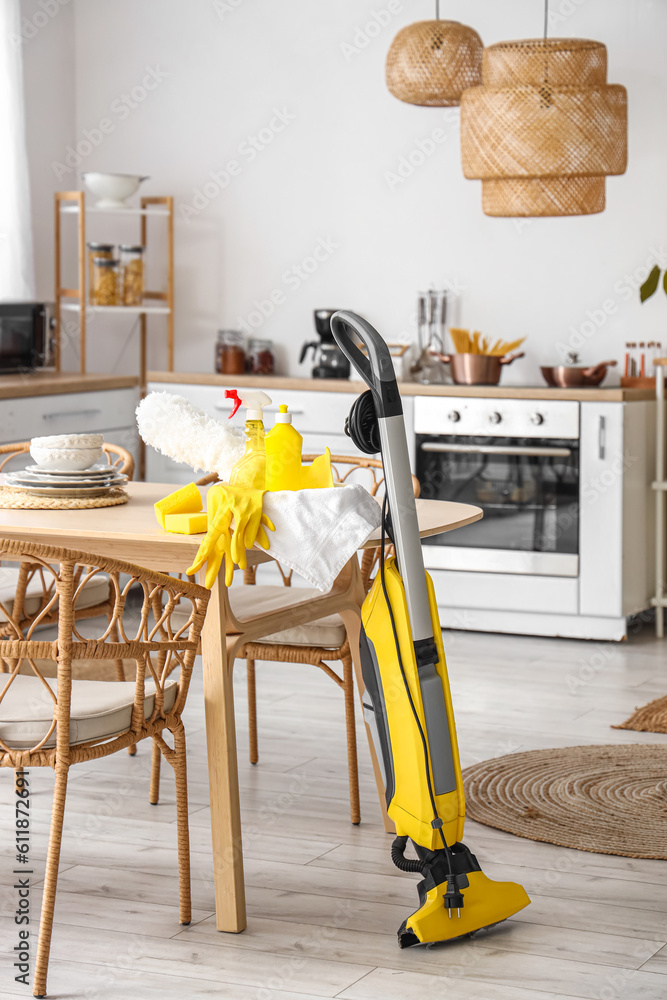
point(26, 337)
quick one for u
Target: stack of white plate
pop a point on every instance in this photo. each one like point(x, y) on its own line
point(94, 482)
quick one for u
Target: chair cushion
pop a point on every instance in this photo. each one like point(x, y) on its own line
point(250, 601)
point(100, 709)
point(96, 591)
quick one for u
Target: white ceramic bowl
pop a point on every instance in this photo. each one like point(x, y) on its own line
point(68, 452)
point(65, 459)
point(112, 189)
point(68, 441)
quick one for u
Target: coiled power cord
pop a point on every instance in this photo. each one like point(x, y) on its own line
point(361, 424)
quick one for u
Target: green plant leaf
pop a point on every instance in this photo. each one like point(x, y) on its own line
point(650, 285)
point(664, 282)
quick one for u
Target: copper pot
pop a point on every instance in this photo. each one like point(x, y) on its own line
point(572, 376)
point(478, 369)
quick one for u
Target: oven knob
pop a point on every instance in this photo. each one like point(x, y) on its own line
point(454, 416)
point(537, 419)
point(495, 418)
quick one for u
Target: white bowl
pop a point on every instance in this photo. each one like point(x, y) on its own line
point(112, 189)
point(68, 441)
point(65, 459)
point(67, 452)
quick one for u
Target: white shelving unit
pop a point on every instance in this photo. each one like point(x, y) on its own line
point(75, 299)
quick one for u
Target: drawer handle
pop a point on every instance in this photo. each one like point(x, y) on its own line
point(267, 409)
point(70, 413)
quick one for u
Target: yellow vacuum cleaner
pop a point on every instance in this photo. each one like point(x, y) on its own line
point(407, 701)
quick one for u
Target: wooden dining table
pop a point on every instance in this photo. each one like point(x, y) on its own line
point(130, 532)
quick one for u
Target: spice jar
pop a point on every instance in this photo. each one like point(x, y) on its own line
point(229, 353)
point(105, 252)
point(131, 274)
point(105, 281)
point(260, 357)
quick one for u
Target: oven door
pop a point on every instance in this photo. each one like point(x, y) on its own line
point(528, 490)
point(23, 335)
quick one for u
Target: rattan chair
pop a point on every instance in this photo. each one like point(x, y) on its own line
point(317, 643)
point(43, 724)
point(27, 591)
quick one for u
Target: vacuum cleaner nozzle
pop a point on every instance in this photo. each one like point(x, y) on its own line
point(457, 898)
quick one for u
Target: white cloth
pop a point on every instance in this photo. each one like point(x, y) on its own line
point(317, 531)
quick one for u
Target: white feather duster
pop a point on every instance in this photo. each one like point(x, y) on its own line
point(179, 430)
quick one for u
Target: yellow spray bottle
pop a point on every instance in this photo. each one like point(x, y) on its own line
point(284, 470)
point(283, 453)
point(250, 470)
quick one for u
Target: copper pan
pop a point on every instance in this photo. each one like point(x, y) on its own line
point(573, 376)
point(478, 369)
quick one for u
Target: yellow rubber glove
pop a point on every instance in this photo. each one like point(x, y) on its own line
point(244, 506)
point(216, 546)
point(248, 521)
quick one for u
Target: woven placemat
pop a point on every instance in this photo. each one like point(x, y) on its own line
point(651, 718)
point(606, 799)
point(17, 500)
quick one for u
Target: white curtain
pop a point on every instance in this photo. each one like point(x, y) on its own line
point(16, 261)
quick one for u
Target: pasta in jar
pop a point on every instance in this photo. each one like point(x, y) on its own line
point(132, 275)
point(105, 281)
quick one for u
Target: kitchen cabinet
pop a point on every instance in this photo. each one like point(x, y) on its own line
point(107, 411)
point(617, 527)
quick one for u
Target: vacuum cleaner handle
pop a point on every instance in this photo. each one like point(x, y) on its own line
point(377, 370)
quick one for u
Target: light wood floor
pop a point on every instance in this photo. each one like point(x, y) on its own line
point(324, 900)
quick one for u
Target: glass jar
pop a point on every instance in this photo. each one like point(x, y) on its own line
point(230, 353)
point(131, 274)
point(260, 357)
point(105, 252)
point(105, 281)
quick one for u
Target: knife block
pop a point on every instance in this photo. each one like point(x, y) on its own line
point(636, 382)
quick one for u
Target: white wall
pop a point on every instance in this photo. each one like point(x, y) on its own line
point(229, 64)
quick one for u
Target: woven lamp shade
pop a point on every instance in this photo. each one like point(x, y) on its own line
point(432, 62)
point(544, 129)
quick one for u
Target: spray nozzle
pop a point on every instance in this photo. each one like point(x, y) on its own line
point(253, 400)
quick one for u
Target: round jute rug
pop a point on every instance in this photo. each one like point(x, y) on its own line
point(606, 799)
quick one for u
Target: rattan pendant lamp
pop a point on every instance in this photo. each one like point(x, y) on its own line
point(431, 63)
point(545, 128)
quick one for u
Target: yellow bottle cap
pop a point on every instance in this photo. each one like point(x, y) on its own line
point(283, 417)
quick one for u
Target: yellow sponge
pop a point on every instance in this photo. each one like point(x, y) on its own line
point(184, 501)
point(187, 524)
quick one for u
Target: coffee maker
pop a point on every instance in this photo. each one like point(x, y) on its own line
point(330, 362)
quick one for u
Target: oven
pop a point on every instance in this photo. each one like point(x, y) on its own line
point(519, 460)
